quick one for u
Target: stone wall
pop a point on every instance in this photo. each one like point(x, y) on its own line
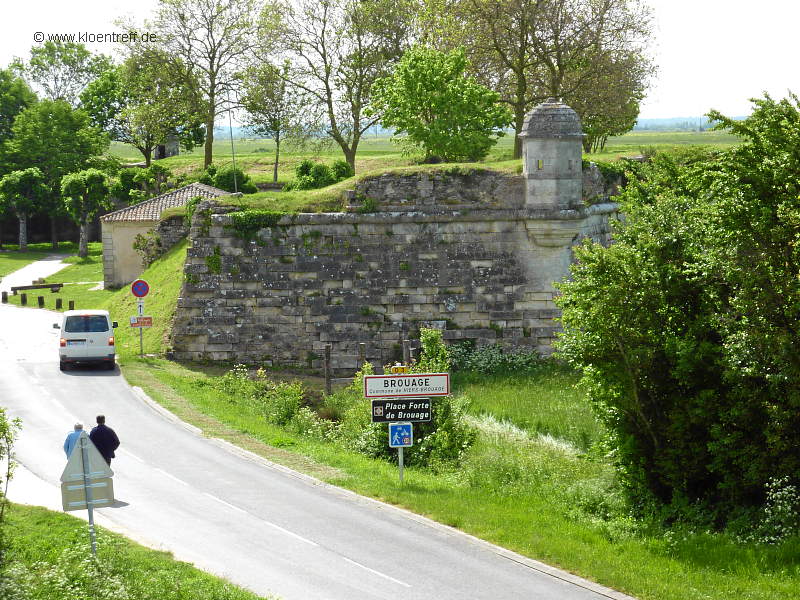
point(481, 269)
point(171, 231)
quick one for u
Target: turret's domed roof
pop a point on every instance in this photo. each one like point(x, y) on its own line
point(551, 119)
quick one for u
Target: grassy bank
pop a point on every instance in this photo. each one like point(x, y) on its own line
point(531, 492)
point(48, 557)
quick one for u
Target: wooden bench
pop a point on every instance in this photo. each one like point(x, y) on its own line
point(54, 287)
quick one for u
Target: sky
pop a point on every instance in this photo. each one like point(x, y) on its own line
point(710, 53)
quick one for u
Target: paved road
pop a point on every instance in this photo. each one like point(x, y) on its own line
point(261, 525)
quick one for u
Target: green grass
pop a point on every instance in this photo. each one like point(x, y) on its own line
point(164, 276)
point(48, 556)
point(533, 495)
point(79, 279)
point(549, 402)
point(11, 259)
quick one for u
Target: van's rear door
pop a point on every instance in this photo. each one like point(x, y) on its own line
point(76, 335)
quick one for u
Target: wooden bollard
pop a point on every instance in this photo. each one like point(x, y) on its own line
point(58, 303)
point(23, 299)
point(362, 354)
point(406, 352)
point(71, 305)
point(5, 297)
point(40, 301)
point(328, 370)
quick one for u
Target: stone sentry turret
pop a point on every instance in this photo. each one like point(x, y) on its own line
point(551, 152)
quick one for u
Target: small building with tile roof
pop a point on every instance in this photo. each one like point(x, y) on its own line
point(121, 263)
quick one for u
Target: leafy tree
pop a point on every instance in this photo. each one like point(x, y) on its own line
point(57, 139)
point(210, 42)
point(139, 104)
point(429, 98)
point(15, 96)
point(85, 194)
point(23, 192)
point(61, 70)
point(686, 328)
point(530, 50)
point(273, 107)
point(338, 48)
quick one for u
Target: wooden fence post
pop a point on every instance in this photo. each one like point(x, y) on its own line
point(71, 305)
point(40, 301)
point(328, 369)
point(23, 299)
point(58, 303)
point(406, 352)
point(362, 354)
point(5, 297)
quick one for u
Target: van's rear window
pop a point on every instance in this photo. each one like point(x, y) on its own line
point(86, 324)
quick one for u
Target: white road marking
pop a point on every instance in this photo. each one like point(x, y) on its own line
point(221, 501)
point(171, 476)
point(384, 575)
point(273, 525)
point(133, 456)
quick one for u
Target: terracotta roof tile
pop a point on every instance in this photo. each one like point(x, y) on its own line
point(150, 210)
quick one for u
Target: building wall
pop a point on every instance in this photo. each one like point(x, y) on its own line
point(121, 263)
point(478, 266)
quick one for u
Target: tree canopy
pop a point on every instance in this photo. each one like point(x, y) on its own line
point(61, 70)
point(85, 194)
point(139, 103)
point(687, 327)
point(23, 192)
point(429, 98)
point(530, 50)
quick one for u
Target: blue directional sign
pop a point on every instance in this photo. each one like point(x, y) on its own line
point(401, 435)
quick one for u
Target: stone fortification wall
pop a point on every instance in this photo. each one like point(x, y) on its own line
point(171, 231)
point(482, 273)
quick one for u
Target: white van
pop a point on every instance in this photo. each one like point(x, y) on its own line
point(87, 336)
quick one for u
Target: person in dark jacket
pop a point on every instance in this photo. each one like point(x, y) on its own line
point(104, 438)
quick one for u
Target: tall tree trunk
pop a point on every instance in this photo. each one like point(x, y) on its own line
point(53, 232)
point(209, 147)
point(277, 158)
point(519, 119)
point(148, 156)
point(23, 232)
point(83, 242)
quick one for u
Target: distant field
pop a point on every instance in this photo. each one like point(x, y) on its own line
point(375, 152)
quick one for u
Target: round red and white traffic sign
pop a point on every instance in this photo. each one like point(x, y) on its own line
point(140, 288)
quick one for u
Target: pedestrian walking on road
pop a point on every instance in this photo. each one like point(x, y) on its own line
point(72, 439)
point(104, 439)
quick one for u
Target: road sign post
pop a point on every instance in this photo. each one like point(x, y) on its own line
point(140, 288)
point(401, 435)
point(86, 482)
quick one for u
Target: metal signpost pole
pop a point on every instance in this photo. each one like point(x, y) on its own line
point(87, 486)
point(141, 332)
point(400, 462)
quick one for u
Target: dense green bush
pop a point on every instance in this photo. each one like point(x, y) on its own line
point(223, 178)
point(686, 328)
point(310, 175)
point(277, 402)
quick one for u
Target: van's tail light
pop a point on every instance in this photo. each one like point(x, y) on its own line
point(111, 341)
point(63, 343)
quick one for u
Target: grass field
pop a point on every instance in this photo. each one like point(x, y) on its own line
point(256, 156)
point(48, 558)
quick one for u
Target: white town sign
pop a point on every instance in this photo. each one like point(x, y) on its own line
point(412, 384)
